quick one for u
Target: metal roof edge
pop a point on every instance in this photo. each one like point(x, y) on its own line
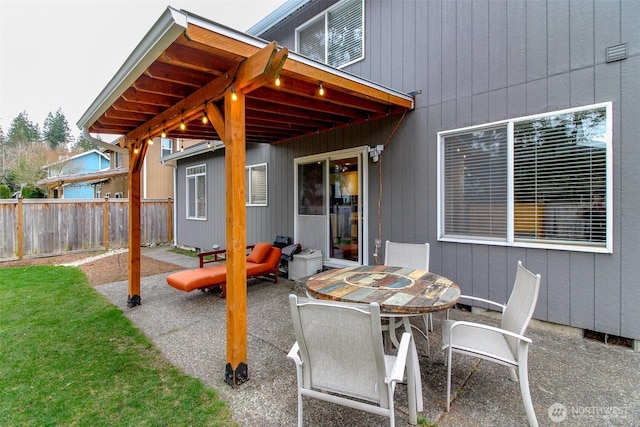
point(280, 14)
point(194, 150)
point(171, 24)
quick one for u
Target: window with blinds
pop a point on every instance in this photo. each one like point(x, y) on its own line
point(196, 192)
point(336, 37)
point(533, 181)
point(256, 179)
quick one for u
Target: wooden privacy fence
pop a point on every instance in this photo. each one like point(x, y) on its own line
point(31, 227)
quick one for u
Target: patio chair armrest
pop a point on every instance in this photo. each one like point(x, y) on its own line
point(397, 373)
point(294, 354)
point(502, 306)
point(462, 323)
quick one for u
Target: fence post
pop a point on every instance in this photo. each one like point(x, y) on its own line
point(170, 219)
point(105, 224)
point(20, 229)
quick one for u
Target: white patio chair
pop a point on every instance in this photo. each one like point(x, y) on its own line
point(505, 345)
point(339, 357)
point(409, 255)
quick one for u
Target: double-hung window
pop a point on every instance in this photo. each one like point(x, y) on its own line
point(166, 146)
point(197, 192)
point(256, 179)
point(335, 37)
point(538, 181)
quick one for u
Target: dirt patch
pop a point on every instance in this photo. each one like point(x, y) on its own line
point(114, 268)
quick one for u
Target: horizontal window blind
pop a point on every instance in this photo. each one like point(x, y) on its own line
point(345, 33)
point(475, 189)
point(257, 181)
point(311, 40)
point(560, 177)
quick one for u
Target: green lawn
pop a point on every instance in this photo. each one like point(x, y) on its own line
point(68, 357)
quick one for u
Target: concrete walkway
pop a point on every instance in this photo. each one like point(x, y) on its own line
point(574, 381)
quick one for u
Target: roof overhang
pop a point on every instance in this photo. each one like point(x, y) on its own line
point(89, 177)
point(170, 78)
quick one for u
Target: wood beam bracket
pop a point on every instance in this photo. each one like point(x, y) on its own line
point(237, 377)
point(133, 301)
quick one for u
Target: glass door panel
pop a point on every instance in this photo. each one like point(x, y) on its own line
point(344, 209)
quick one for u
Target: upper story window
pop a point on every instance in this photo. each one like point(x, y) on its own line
point(197, 192)
point(539, 181)
point(256, 176)
point(117, 159)
point(335, 37)
point(166, 146)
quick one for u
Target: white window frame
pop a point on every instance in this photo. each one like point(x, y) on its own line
point(198, 174)
point(324, 16)
point(163, 146)
point(250, 185)
point(510, 240)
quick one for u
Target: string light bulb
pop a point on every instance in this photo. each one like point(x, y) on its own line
point(205, 119)
point(278, 81)
point(234, 95)
point(163, 134)
point(182, 125)
point(135, 150)
point(149, 139)
point(321, 91)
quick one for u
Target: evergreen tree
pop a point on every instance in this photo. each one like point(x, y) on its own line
point(22, 131)
point(5, 192)
point(83, 145)
point(56, 130)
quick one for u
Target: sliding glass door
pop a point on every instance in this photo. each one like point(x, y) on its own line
point(330, 203)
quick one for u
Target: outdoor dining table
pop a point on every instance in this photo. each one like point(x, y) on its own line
point(400, 292)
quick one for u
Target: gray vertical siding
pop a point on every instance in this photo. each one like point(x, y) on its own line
point(477, 62)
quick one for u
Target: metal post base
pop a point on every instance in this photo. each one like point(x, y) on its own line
point(132, 301)
point(237, 377)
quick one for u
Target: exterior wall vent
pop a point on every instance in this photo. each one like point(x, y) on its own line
point(617, 53)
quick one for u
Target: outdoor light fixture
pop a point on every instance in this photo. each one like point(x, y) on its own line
point(234, 96)
point(321, 91)
point(205, 119)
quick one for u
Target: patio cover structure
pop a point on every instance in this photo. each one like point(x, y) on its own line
point(194, 79)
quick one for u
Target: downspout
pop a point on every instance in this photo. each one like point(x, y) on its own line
point(175, 205)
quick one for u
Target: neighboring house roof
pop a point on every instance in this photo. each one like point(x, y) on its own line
point(91, 177)
point(77, 156)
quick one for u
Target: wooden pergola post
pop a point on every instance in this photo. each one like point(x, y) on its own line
point(236, 370)
point(136, 156)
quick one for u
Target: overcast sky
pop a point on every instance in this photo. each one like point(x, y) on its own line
point(61, 54)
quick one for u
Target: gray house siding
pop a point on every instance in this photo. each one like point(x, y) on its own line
point(476, 62)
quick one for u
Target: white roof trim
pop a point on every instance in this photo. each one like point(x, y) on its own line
point(171, 24)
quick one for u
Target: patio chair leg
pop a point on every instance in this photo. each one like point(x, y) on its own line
point(448, 362)
point(526, 394)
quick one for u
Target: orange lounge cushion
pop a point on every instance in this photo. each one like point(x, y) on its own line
point(273, 259)
point(259, 253)
point(189, 280)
